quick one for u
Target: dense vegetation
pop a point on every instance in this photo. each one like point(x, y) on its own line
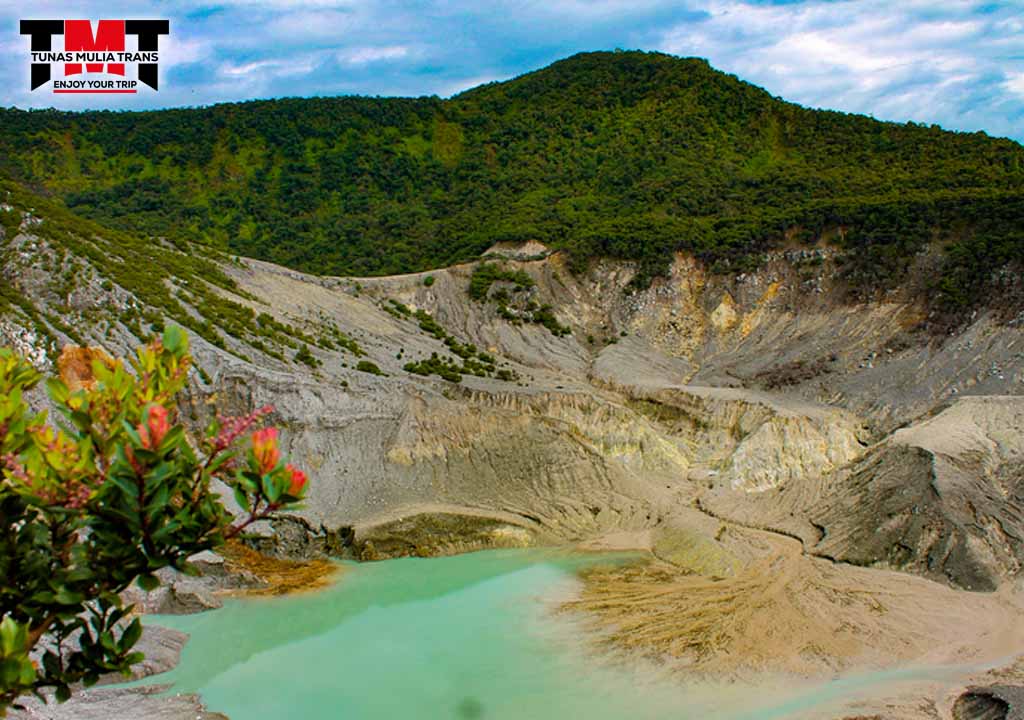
point(510, 290)
point(486, 274)
point(112, 493)
point(167, 280)
point(629, 155)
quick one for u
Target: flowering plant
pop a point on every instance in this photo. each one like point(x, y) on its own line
point(109, 497)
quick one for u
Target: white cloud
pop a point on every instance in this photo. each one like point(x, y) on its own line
point(959, 64)
point(593, 9)
point(896, 60)
point(181, 51)
point(248, 68)
point(308, 25)
point(1015, 83)
point(269, 69)
point(278, 4)
point(363, 55)
point(466, 83)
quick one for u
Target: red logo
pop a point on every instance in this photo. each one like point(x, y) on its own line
point(78, 37)
point(96, 48)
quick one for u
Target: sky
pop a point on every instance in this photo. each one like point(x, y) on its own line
point(958, 63)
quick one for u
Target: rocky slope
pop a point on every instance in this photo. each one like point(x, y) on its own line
point(749, 384)
point(688, 418)
point(776, 389)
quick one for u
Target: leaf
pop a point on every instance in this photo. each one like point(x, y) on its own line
point(248, 482)
point(158, 502)
point(63, 693)
point(79, 573)
point(132, 434)
point(28, 672)
point(129, 519)
point(125, 485)
point(271, 489)
point(131, 635)
point(107, 642)
point(50, 664)
point(81, 420)
point(65, 596)
point(175, 340)
point(57, 390)
point(187, 453)
point(43, 597)
point(218, 461)
point(161, 473)
point(241, 498)
point(148, 582)
point(161, 536)
point(12, 636)
point(175, 437)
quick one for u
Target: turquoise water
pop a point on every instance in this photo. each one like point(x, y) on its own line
point(462, 638)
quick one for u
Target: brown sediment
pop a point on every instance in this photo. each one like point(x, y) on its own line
point(75, 365)
point(786, 612)
point(282, 577)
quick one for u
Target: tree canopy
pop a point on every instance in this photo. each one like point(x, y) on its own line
point(627, 154)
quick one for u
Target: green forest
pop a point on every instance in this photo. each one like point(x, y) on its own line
point(612, 154)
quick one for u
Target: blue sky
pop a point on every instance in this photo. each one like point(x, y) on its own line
point(959, 64)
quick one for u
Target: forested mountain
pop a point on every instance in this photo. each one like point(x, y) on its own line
point(625, 154)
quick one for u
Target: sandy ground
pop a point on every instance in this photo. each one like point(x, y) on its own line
point(279, 576)
point(742, 605)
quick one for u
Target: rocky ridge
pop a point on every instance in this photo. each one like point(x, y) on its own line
point(764, 385)
point(704, 405)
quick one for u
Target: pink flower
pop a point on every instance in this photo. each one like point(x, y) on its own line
point(265, 450)
point(233, 427)
point(156, 427)
point(18, 472)
point(298, 481)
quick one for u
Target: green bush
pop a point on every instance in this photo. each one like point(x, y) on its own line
point(703, 163)
point(486, 274)
point(368, 367)
point(109, 497)
point(306, 357)
point(446, 368)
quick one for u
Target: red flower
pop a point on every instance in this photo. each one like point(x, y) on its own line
point(155, 428)
point(298, 481)
point(265, 450)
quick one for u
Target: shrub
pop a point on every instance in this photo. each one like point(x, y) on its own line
point(306, 357)
point(114, 494)
point(398, 309)
point(430, 325)
point(445, 368)
point(486, 274)
point(545, 316)
point(368, 367)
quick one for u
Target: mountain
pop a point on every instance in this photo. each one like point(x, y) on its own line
point(511, 401)
point(625, 155)
point(701, 325)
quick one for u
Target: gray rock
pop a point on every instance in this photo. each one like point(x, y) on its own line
point(177, 595)
point(162, 648)
point(995, 702)
point(180, 594)
point(145, 703)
